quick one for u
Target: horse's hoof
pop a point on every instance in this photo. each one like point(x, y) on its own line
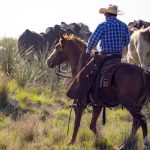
point(146, 142)
point(147, 147)
point(71, 143)
point(122, 148)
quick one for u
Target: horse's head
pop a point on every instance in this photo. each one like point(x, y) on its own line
point(69, 48)
point(58, 55)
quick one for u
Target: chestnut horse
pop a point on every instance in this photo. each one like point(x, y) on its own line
point(131, 83)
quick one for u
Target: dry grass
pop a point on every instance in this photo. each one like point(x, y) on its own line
point(30, 132)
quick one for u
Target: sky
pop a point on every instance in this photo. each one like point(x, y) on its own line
point(36, 15)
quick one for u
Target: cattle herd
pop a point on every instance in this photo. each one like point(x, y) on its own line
point(33, 43)
point(139, 48)
point(138, 51)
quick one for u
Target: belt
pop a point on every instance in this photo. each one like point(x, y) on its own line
point(110, 53)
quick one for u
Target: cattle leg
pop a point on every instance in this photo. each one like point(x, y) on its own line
point(78, 113)
point(95, 114)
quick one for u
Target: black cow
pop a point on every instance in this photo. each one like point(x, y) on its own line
point(30, 41)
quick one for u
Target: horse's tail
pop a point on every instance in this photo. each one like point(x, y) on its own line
point(104, 115)
point(146, 90)
point(148, 84)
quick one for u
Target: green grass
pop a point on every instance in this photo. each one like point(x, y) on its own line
point(44, 127)
point(32, 132)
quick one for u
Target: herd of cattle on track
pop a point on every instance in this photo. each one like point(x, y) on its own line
point(138, 51)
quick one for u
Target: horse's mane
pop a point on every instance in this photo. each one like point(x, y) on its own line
point(81, 44)
point(76, 40)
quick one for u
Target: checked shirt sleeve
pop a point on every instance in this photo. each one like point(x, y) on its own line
point(127, 37)
point(95, 37)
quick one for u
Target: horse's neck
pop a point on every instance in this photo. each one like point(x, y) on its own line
point(77, 65)
point(76, 61)
point(75, 51)
point(74, 66)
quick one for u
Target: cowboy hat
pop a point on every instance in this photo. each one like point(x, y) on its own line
point(113, 9)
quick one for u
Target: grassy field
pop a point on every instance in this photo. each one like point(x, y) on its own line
point(34, 111)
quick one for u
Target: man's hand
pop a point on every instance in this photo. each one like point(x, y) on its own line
point(88, 54)
point(88, 51)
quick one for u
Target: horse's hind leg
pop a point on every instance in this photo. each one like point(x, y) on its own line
point(95, 115)
point(135, 126)
point(145, 131)
point(139, 120)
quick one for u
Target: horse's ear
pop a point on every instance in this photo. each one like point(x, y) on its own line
point(61, 35)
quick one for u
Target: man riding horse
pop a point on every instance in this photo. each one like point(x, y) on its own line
point(113, 36)
point(129, 84)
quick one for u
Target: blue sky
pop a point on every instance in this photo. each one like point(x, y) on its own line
point(37, 15)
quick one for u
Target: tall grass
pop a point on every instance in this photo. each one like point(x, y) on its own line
point(26, 71)
point(7, 54)
point(3, 92)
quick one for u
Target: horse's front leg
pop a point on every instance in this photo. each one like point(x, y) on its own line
point(95, 114)
point(78, 113)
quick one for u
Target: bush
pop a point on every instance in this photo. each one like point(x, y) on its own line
point(7, 54)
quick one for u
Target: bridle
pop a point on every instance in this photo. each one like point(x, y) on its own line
point(58, 69)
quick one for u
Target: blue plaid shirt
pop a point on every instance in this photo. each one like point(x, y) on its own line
point(112, 34)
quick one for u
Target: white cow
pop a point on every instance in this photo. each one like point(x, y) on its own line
point(139, 48)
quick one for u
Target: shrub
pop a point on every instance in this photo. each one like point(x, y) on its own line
point(3, 93)
point(8, 54)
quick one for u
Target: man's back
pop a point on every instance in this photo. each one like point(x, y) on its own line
point(115, 35)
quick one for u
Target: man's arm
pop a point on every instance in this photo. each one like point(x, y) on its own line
point(127, 37)
point(95, 37)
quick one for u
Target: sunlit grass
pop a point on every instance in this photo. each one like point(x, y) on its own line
point(37, 94)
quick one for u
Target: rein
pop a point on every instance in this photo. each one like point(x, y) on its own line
point(61, 73)
point(69, 119)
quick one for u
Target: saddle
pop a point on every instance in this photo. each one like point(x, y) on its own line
point(104, 76)
point(103, 82)
point(93, 74)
